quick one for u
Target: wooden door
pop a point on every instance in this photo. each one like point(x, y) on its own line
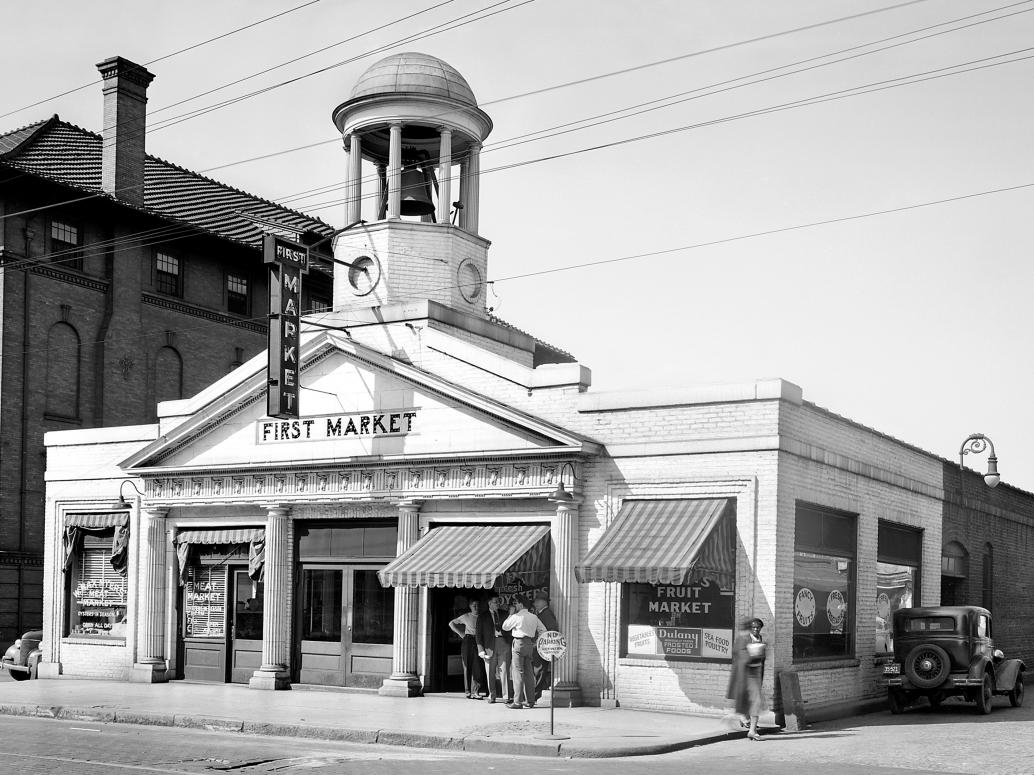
point(204, 619)
point(245, 627)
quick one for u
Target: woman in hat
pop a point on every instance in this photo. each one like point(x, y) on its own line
point(748, 672)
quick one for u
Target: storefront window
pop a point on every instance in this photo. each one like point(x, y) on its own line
point(204, 599)
point(98, 599)
point(373, 609)
point(690, 622)
point(247, 611)
point(899, 555)
point(321, 605)
point(823, 583)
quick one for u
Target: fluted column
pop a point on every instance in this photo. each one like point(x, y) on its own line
point(473, 188)
point(395, 171)
point(354, 188)
point(445, 175)
point(150, 666)
point(276, 614)
point(563, 589)
point(403, 681)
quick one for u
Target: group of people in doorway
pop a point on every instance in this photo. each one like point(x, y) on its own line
point(500, 642)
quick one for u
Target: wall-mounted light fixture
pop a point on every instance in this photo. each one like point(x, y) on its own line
point(560, 494)
point(977, 443)
point(121, 498)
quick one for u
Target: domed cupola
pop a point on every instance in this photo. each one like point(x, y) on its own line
point(414, 122)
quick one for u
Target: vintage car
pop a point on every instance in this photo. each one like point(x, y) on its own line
point(945, 651)
point(22, 659)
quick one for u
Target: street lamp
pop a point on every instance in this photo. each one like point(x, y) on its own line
point(977, 443)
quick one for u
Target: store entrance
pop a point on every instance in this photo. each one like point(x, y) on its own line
point(344, 633)
point(446, 665)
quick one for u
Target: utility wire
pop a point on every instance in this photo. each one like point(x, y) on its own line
point(168, 56)
point(907, 80)
point(700, 92)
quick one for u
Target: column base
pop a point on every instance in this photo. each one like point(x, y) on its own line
point(401, 686)
point(48, 670)
point(268, 679)
point(149, 673)
point(567, 695)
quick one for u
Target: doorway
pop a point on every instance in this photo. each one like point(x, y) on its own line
point(345, 626)
point(446, 664)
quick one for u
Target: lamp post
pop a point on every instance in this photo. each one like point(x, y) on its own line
point(978, 443)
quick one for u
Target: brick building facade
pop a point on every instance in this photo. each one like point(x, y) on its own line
point(118, 273)
point(656, 519)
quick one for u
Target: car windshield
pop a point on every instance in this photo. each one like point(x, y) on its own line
point(930, 624)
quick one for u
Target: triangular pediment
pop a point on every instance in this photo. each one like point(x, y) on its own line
point(356, 405)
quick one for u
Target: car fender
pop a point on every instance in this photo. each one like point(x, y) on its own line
point(1007, 672)
point(980, 665)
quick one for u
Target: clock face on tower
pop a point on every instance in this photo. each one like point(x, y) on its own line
point(470, 281)
point(363, 275)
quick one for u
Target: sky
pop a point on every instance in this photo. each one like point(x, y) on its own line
point(812, 243)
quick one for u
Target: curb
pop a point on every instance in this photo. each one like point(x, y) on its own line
point(472, 743)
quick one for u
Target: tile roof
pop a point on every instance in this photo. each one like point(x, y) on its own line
point(67, 154)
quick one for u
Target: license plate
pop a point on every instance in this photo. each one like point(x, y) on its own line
point(892, 669)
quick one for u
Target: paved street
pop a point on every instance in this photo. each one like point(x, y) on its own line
point(953, 739)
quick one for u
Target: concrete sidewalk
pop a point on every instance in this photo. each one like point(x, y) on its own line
point(436, 721)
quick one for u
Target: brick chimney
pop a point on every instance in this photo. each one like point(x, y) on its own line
point(125, 120)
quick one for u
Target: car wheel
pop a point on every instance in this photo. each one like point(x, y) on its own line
point(927, 666)
point(986, 696)
point(1016, 695)
point(896, 701)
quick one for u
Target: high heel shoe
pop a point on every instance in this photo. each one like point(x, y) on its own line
point(753, 736)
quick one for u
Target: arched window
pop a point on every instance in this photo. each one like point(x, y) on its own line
point(63, 354)
point(168, 375)
point(987, 596)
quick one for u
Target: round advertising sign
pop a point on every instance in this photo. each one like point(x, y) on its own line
point(804, 607)
point(551, 645)
point(836, 608)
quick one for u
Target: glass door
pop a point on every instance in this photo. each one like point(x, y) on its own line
point(345, 633)
point(246, 626)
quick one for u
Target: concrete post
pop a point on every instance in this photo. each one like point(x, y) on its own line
point(394, 172)
point(445, 176)
point(150, 665)
point(563, 591)
point(276, 614)
point(354, 188)
point(403, 681)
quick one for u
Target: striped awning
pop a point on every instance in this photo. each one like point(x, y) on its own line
point(228, 536)
point(665, 542)
point(98, 519)
point(462, 556)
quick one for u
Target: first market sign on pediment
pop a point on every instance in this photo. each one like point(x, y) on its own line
point(336, 426)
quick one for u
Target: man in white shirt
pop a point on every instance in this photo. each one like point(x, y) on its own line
point(525, 628)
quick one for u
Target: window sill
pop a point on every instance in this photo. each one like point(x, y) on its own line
point(81, 640)
point(827, 664)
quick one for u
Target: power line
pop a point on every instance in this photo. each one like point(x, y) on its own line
point(519, 139)
point(169, 55)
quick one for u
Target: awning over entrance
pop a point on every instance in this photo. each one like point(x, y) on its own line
point(665, 542)
point(462, 556)
point(97, 520)
point(228, 536)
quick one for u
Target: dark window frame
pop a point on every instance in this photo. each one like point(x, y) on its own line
point(70, 252)
point(162, 283)
point(238, 302)
point(819, 534)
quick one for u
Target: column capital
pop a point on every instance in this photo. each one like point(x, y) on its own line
point(155, 512)
point(395, 125)
point(278, 510)
point(444, 130)
point(563, 507)
point(409, 506)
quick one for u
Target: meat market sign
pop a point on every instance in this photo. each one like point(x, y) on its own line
point(336, 426)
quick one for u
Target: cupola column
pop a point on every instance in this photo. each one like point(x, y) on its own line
point(381, 204)
point(445, 176)
point(354, 188)
point(471, 189)
point(394, 171)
